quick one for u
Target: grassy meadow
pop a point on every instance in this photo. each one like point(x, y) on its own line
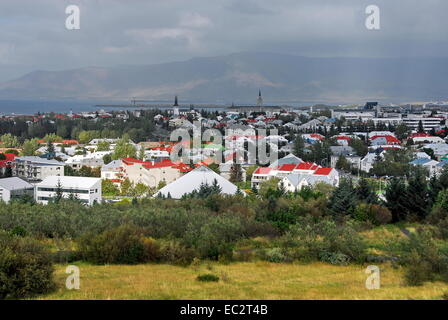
point(251, 280)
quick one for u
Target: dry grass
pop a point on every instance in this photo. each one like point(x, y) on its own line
point(255, 280)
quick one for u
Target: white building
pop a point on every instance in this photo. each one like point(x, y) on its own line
point(14, 188)
point(412, 122)
point(193, 181)
point(86, 190)
point(36, 169)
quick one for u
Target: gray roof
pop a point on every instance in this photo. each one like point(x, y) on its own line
point(295, 178)
point(14, 183)
point(39, 160)
point(112, 166)
point(342, 150)
point(289, 159)
point(193, 180)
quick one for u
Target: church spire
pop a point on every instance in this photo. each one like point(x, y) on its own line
point(176, 104)
point(259, 93)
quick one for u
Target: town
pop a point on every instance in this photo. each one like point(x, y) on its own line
point(116, 155)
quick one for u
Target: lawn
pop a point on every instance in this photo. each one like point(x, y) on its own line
point(254, 280)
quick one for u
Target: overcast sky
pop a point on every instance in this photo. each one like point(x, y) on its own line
point(33, 34)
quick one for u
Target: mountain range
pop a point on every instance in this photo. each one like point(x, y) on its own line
point(237, 78)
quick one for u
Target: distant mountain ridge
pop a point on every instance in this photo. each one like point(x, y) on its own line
point(237, 77)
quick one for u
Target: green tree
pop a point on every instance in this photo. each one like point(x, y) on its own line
point(342, 202)
point(396, 200)
point(108, 188)
point(402, 131)
point(103, 146)
point(299, 146)
point(124, 149)
point(236, 173)
point(9, 141)
point(365, 192)
point(343, 164)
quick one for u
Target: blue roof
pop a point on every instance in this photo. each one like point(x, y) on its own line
point(419, 162)
point(442, 163)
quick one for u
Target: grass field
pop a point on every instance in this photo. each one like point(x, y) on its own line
point(254, 280)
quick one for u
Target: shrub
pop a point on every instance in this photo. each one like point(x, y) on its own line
point(176, 253)
point(25, 267)
point(125, 245)
point(373, 213)
point(207, 278)
point(422, 258)
point(275, 255)
point(326, 240)
point(334, 258)
point(216, 238)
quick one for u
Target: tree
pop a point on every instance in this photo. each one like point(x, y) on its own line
point(417, 194)
point(50, 150)
point(420, 129)
point(359, 146)
point(343, 164)
point(9, 141)
point(342, 202)
point(126, 187)
point(396, 199)
point(236, 173)
point(365, 192)
point(108, 188)
point(103, 146)
point(124, 149)
point(59, 192)
point(250, 171)
point(402, 131)
point(141, 154)
point(51, 137)
point(299, 146)
point(107, 159)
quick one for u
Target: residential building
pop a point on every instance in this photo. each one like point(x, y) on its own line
point(193, 181)
point(152, 173)
point(33, 168)
point(14, 188)
point(86, 190)
point(113, 171)
point(412, 122)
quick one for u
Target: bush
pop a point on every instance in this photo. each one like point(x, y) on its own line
point(422, 258)
point(176, 253)
point(25, 267)
point(373, 213)
point(275, 255)
point(326, 241)
point(207, 278)
point(125, 245)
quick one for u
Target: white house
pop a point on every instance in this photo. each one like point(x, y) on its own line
point(14, 188)
point(86, 190)
point(193, 181)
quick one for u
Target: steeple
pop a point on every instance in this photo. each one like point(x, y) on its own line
point(259, 100)
point(176, 104)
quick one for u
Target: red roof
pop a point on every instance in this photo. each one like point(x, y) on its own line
point(306, 166)
point(389, 139)
point(317, 136)
point(287, 167)
point(263, 170)
point(131, 161)
point(419, 135)
point(323, 171)
point(7, 162)
point(343, 138)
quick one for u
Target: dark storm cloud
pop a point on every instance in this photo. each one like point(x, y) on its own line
point(33, 34)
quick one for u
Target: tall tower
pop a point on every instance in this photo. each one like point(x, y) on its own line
point(259, 100)
point(176, 104)
point(176, 107)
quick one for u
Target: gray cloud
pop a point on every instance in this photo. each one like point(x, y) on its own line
point(113, 32)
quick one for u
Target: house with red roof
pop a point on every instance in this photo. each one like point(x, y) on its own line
point(295, 176)
point(152, 173)
point(7, 163)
